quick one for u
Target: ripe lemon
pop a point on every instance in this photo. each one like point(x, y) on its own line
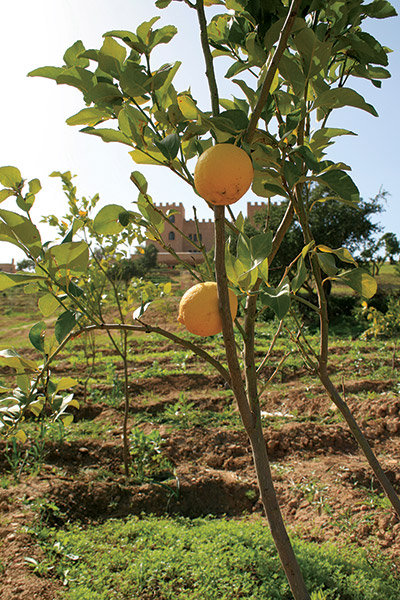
point(198, 309)
point(223, 174)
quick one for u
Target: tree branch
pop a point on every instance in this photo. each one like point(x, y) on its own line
point(282, 43)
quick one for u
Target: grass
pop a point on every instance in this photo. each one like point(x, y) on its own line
point(212, 559)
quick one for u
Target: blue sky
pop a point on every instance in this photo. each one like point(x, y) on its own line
point(36, 139)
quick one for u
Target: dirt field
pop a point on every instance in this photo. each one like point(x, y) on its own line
point(325, 486)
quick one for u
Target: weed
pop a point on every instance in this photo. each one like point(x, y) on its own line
point(187, 559)
point(147, 461)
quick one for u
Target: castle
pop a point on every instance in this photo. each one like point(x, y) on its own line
point(200, 232)
point(8, 267)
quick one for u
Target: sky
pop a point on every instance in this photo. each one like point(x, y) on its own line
point(33, 110)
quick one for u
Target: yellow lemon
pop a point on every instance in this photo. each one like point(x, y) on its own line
point(223, 174)
point(198, 309)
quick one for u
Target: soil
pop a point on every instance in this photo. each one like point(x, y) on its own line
point(324, 484)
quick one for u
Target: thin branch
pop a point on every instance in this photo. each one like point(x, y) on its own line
point(146, 328)
point(210, 73)
point(271, 346)
point(282, 43)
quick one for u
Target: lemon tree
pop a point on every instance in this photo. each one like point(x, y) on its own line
point(291, 65)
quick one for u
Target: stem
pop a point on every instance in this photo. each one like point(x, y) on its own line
point(361, 440)
point(282, 43)
point(210, 73)
point(126, 454)
point(227, 326)
point(322, 368)
point(250, 414)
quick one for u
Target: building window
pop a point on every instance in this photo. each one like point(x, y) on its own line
point(190, 236)
point(195, 237)
point(171, 219)
point(171, 235)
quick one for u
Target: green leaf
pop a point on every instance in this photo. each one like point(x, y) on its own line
point(48, 304)
point(36, 336)
point(234, 267)
point(161, 91)
point(248, 91)
point(131, 122)
point(134, 81)
point(301, 275)
point(144, 29)
point(34, 186)
point(360, 281)
point(89, 116)
point(70, 258)
point(292, 173)
point(4, 194)
point(340, 97)
point(77, 77)
point(187, 106)
point(65, 383)
point(342, 253)
point(72, 58)
point(341, 183)
point(107, 222)
point(308, 156)
point(162, 36)
point(64, 324)
point(315, 55)
point(367, 49)
point(327, 263)
point(169, 146)
point(277, 298)
point(147, 157)
point(108, 135)
point(291, 72)
point(24, 230)
point(111, 57)
point(267, 183)
point(140, 181)
point(10, 177)
point(163, 3)
point(380, 9)
point(260, 249)
point(9, 280)
point(11, 358)
point(48, 72)
point(322, 137)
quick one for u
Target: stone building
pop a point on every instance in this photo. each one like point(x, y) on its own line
point(8, 267)
point(204, 232)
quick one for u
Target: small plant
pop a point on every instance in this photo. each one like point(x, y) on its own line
point(182, 413)
point(147, 460)
point(382, 324)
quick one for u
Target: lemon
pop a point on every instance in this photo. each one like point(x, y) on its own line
point(198, 309)
point(223, 174)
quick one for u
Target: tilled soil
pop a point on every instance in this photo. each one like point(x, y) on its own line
point(324, 484)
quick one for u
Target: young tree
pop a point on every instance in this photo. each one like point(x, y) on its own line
point(291, 65)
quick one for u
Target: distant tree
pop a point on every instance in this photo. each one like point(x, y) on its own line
point(25, 265)
point(148, 259)
point(137, 266)
point(392, 246)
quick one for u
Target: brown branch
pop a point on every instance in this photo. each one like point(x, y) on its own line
point(210, 73)
point(282, 43)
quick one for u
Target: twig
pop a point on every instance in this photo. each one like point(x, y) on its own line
point(271, 346)
point(282, 43)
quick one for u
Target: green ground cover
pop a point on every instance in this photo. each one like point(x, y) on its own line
point(208, 559)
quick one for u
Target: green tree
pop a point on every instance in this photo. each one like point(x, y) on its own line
point(392, 246)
